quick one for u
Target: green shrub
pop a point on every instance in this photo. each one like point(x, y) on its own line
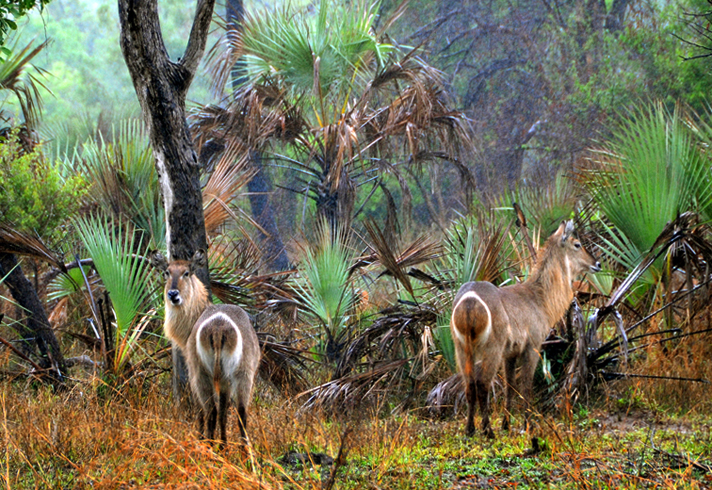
point(33, 195)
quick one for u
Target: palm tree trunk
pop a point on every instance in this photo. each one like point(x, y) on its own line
point(260, 190)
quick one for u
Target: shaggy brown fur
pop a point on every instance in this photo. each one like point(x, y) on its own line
point(222, 356)
point(491, 326)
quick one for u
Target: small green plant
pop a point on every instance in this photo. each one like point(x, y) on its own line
point(326, 291)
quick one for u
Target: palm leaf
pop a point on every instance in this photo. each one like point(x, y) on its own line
point(15, 77)
point(13, 241)
point(222, 188)
point(647, 175)
point(124, 180)
point(326, 291)
point(386, 253)
point(124, 275)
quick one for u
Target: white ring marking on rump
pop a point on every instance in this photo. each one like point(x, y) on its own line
point(488, 328)
point(231, 360)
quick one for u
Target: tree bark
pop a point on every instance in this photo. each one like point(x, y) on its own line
point(37, 323)
point(161, 86)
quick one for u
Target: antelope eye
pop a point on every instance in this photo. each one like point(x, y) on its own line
point(186, 273)
point(166, 274)
point(577, 244)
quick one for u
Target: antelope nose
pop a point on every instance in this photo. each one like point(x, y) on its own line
point(173, 296)
point(596, 267)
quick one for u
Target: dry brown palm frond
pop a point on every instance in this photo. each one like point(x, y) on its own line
point(386, 253)
point(13, 241)
point(222, 188)
point(419, 114)
point(235, 278)
point(249, 121)
point(397, 330)
point(347, 393)
point(286, 367)
point(447, 396)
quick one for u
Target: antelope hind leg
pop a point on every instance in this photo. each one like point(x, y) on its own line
point(483, 399)
point(222, 415)
point(471, 395)
point(509, 371)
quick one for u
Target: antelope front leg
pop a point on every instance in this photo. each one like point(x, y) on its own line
point(531, 359)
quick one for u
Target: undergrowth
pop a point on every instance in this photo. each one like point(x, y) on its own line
point(84, 438)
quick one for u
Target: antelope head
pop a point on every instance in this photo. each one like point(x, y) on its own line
point(578, 260)
point(178, 275)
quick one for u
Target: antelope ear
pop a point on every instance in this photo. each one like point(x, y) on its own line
point(568, 230)
point(158, 260)
point(199, 260)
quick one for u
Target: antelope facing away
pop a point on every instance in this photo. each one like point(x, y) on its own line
point(491, 325)
point(219, 343)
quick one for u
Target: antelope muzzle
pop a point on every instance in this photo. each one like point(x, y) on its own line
point(173, 296)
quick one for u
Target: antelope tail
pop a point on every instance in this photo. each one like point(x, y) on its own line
point(217, 367)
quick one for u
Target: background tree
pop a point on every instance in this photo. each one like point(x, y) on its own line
point(336, 103)
point(10, 12)
point(161, 85)
point(541, 80)
point(260, 185)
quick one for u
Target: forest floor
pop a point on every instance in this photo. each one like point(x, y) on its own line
point(89, 437)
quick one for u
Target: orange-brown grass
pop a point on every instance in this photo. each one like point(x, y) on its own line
point(93, 437)
point(137, 440)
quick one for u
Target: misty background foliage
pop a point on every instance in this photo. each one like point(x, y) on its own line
point(539, 81)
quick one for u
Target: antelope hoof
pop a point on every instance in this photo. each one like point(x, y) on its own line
point(488, 432)
point(505, 425)
point(470, 430)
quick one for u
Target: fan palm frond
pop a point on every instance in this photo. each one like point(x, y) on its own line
point(396, 331)
point(325, 86)
point(285, 366)
point(26, 86)
point(222, 188)
point(386, 253)
point(111, 245)
point(124, 178)
point(326, 291)
point(650, 173)
point(346, 393)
